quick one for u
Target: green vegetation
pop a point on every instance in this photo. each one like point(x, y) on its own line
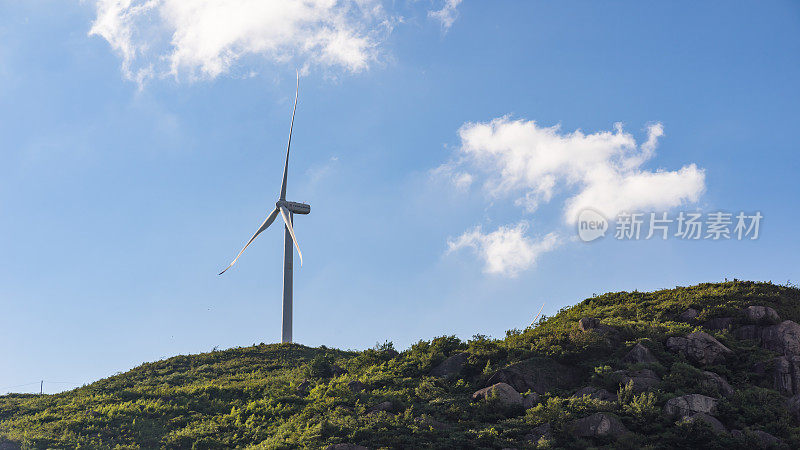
point(256, 396)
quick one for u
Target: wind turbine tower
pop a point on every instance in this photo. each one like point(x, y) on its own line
point(287, 210)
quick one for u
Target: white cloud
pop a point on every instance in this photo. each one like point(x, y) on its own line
point(207, 38)
point(505, 251)
point(531, 163)
point(459, 179)
point(447, 15)
point(602, 170)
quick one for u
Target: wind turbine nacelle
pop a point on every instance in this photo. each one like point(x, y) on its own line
point(296, 208)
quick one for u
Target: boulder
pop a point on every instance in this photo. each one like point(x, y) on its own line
point(761, 315)
point(346, 447)
point(596, 393)
point(764, 439)
point(598, 425)
point(639, 354)
point(539, 375)
point(543, 431)
point(712, 381)
point(643, 380)
point(383, 406)
point(737, 434)
point(793, 404)
point(531, 400)
point(719, 323)
point(783, 338)
point(784, 371)
point(711, 421)
point(450, 366)
point(688, 405)
point(504, 393)
point(751, 332)
point(689, 315)
point(356, 386)
point(588, 323)
point(700, 347)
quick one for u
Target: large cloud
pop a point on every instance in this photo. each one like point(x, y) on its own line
point(205, 38)
point(530, 163)
point(601, 170)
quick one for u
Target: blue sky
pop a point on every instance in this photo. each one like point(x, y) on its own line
point(127, 183)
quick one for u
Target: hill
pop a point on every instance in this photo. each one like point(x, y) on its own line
point(707, 366)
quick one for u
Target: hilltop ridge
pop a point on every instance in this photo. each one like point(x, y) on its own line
point(716, 365)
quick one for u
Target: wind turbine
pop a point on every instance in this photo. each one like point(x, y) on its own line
point(287, 210)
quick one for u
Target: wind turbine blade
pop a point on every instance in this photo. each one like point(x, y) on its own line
point(289, 145)
point(286, 216)
point(264, 226)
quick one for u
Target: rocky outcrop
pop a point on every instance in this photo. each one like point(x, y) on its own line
point(539, 375)
point(502, 392)
point(689, 315)
point(714, 382)
point(719, 323)
point(643, 380)
point(784, 372)
point(765, 440)
point(598, 425)
point(543, 431)
point(711, 421)
point(450, 366)
point(688, 405)
point(596, 393)
point(588, 323)
point(793, 404)
point(761, 315)
point(700, 347)
point(639, 354)
point(752, 332)
point(429, 421)
point(531, 400)
point(783, 338)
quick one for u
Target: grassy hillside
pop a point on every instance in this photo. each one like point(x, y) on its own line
point(290, 396)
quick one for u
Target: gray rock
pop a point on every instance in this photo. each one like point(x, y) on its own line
point(543, 431)
point(783, 338)
point(504, 393)
point(688, 405)
point(715, 382)
point(450, 366)
point(751, 332)
point(793, 404)
point(700, 347)
point(597, 425)
point(588, 323)
point(596, 393)
point(719, 323)
point(383, 406)
point(764, 439)
point(643, 380)
point(737, 434)
point(356, 386)
point(539, 375)
point(639, 354)
point(715, 424)
point(784, 371)
point(689, 315)
point(346, 447)
point(761, 315)
point(531, 400)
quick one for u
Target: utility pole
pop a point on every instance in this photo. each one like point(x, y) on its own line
point(41, 387)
